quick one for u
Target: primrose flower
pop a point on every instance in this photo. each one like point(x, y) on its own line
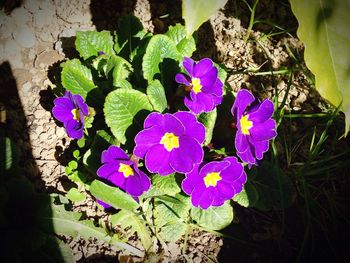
point(122, 172)
point(203, 84)
point(255, 126)
point(71, 110)
point(213, 183)
point(170, 142)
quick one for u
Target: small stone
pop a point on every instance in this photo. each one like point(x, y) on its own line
point(26, 87)
point(21, 16)
point(24, 36)
point(39, 114)
point(43, 18)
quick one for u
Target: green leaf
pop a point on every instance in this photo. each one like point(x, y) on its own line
point(159, 48)
point(120, 70)
point(274, 188)
point(9, 154)
point(214, 218)
point(324, 27)
point(185, 45)
point(77, 78)
point(196, 12)
point(131, 220)
point(113, 196)
point(167, 185)
point(156, 95)
point(89, 43)
point(171, 215)
point(60, 221)
point(248, 196)
point(121, 108)
point(208, 120)
point(75, 196)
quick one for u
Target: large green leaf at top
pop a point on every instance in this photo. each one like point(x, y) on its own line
point(113, 196)
point(89, 43)
point(196, 12)
point(213, 218)
point(121, 108)
point(160, 47)
point(77, 78)
point(324, 27)
point(185, 45)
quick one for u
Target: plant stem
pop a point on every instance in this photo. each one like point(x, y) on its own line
point(251, 21)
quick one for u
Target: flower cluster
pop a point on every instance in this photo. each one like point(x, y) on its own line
point(71, 110)
point(173, 143)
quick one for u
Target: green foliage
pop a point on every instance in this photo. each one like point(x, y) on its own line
point(171, 216)
point(120, 70)
point(324, 27)
point(248, 197)
point(121, 109)
point(113, 196)
point(75, 195)
point(214, 218)
point(160, 47)
point(274, 189)
point(185, 45)
point(77, 78)
point(208, 120)
point(156, 95)
point(135, 223)
point(89, 43)
point(196, 12)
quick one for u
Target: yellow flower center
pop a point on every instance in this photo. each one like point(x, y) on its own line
point(76, 114)
point(126, 170)
point(246, 124)
point(196, 85)
point(170, 141)
point(211, 179)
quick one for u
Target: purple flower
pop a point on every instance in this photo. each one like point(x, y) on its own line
point(255, 126)
point(71, 110)
point(170, 142)
point(203, 84)
point(213, 183)
point(122, 172)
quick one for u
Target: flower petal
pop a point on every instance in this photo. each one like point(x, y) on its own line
point(209, 78)
point(180, 78)
point(215, 88)
point(241, 142)
point(62, 110)
point(103, 204)
point(200, 102)
point(106, 170)
point(113, 155)
point(118, 179)
point(202, 67)
point(213, 167)
point(74, 129)
point(155, 118)
point(133, 185)
point(207, 198)
point(243, 100)
point(263, 113)
point(233, 171)
point(81, 104)
point(188, 64)
point(197, 194)
point(189, 153)
point(147, 138)
point(225, 189)
point(157, 160)
point(247, 156)
point(193, 128)
point(261, 148)
point(264, 131)
point(191, 180)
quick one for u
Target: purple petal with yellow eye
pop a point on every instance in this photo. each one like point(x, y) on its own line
point(214, 183)
point(205, 88)
point(255, 126)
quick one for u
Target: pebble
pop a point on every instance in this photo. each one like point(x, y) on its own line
point(21, 16)
point(39, 114)
point(25, 37)
point(26, 87)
